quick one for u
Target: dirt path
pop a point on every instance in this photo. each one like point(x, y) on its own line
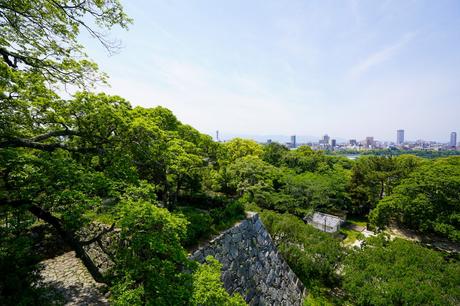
point(427, 240)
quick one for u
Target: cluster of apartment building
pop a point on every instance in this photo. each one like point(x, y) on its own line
point(328, 143)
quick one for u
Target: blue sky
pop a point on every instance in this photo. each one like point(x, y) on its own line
point(347, 68)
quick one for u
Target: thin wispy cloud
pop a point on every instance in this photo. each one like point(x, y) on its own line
point(380, 56)
point(295, 67)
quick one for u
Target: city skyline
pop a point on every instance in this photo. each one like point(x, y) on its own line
point(352, 67)
point(302, 138)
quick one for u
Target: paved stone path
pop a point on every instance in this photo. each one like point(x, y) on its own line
point(69, 277)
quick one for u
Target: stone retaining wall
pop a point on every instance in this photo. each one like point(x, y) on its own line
point(100, 251)
point(252, 266)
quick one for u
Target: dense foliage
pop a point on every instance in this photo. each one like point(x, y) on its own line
point(375, 177)
point(93, 157)
point(400, 272)
point(152, 254)
point(208, 289)
point(428, 200)
point(313, 255)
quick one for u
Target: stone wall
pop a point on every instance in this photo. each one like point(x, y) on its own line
point(100, 251)
point(252, 266)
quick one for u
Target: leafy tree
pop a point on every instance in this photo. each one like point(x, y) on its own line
point(400, 272)
point(237, 148)
point(250, 175)
point(152, 267)
point(313, 255)
point(183, 166)
point(318, 191)
point(305, 159)
point(274, 153)
point(374, 177)
point(40, 37)
point(208, 288)
point(39, 52)
point(428, 200)
point(167, 153)
point(57, 167)
point(151, 263)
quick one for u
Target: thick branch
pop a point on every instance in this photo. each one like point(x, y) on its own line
point(54, 134)
point(70, 239)
point(68, 236)
point(27, 143)
point(6, 58)
point(48, 147)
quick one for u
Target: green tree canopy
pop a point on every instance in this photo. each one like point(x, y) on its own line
point(237, 148)
point(374, 177)
point(427, 200)
point(208, 289)
point(400, 272)
point(40, 36)
point(274, 153)
point(313, 255)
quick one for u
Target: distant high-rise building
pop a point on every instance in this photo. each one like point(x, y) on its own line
point(453, 139)
point(217, 135)
point(353, 142)
point(333, 142)
point(400, 137)
point(326, 139)
point(370, 142)
point(293, 141)
point(269, 141)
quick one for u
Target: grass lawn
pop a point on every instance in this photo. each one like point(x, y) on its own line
point(360, 221)
point(351, 235)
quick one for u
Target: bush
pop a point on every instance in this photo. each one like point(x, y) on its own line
point(199, 226)
point(203, 200)
point(313, 255)
point(223, 218)
point(400, 272)
point(151, 264)
point(208, 288)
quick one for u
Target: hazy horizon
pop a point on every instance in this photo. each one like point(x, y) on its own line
point(301, 138)
point(350, 69)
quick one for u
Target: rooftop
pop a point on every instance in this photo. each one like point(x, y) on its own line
point(324, 219)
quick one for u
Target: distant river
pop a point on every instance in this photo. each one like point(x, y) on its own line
point(352, 156)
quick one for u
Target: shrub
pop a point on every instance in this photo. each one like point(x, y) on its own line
point(313, 255)
point(400, 272)
point(199, 225)
point(208, 288)
point(223, 218)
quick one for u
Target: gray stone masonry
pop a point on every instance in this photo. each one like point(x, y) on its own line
point(67, 276)
point(252, 266)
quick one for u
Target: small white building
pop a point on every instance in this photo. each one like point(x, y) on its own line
point(324, 222)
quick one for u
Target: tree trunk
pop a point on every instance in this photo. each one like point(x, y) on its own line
point(176, 195)
point(382, 189)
